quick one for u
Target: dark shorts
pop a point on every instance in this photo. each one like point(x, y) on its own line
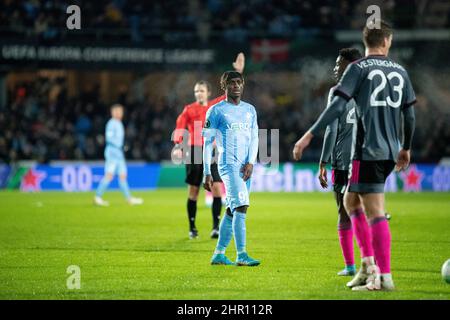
point(339, 178)
point(194, 172)
point(369, 176)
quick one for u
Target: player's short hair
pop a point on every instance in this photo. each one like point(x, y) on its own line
point(116, 105)
point(227, 75)
point(350, 54)
point(374, 37)
point(205, 83)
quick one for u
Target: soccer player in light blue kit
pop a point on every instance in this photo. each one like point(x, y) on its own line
point(232, 123)
point(115, 158)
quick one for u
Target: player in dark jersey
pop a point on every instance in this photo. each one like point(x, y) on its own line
point(337, 145)
point(383, 93)
point(193, 118)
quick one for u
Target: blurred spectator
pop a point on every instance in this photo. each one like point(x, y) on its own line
point(45, 19)
point(34, 126)
point(41, 121)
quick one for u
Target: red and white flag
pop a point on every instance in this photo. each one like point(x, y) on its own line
point(270, 50)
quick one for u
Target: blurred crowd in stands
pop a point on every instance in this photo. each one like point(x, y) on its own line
point(235, 20)
point(41, 122)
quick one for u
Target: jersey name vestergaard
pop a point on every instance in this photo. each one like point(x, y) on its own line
point(381, 88)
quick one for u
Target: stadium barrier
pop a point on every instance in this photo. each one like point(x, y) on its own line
point(78, 177)
point(287, 177)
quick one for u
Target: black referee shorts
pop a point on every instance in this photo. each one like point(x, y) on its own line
point(194, 171)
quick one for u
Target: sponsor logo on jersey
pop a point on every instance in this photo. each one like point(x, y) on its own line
point(238, 126)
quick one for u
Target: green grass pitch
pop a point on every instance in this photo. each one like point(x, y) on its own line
point(143, 252)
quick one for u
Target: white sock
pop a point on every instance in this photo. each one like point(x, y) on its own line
point(368, 261)
point(386, 276)
point(219, 251)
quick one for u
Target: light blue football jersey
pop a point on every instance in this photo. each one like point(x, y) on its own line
point(115, 136)
point(234, 128)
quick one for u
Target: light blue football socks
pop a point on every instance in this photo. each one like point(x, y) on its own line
point(239, 231)
point(123, 184)
point(225, 234)
point(230, 226)
point(103, 185)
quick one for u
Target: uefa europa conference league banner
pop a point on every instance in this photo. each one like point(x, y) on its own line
point(287, 177)
point(26, 53)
